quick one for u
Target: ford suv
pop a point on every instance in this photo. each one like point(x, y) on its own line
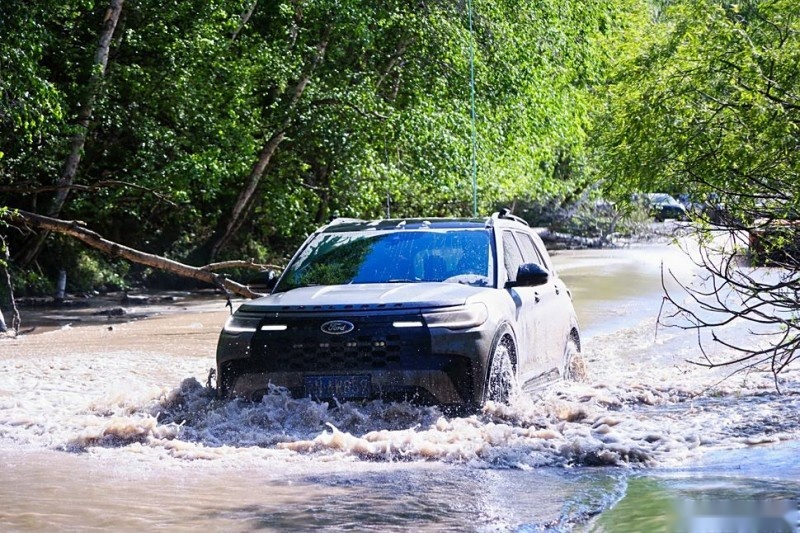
point(436, 311)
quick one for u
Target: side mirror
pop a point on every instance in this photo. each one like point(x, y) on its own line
point(270, 279)
point(530, 275)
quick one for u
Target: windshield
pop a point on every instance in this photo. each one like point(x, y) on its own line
point(405, 256)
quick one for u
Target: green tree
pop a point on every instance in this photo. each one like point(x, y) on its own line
point(711, 106)
point(235, 127)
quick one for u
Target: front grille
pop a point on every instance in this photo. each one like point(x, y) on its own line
point(374, 344)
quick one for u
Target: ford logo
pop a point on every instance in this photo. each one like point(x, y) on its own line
point(337, 327)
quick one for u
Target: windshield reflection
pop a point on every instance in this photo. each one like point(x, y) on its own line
point(407, 256)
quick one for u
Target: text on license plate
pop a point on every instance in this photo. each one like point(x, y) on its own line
point(339, 387)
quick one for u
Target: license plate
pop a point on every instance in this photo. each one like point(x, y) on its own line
point(339, 387)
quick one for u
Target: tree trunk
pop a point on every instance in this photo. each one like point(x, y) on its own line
point(78, 141)
point(245, 19)
point(113, 249)
point(15, 319)
point(245, 199)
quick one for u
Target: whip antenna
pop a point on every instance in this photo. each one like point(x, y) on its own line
point(472, 112)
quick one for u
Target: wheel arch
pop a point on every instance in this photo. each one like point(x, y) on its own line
point(573, 367)
point(504, 330)
point(575, 336)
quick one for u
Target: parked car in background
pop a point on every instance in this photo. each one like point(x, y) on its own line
point(436, 311)
point(662, 206)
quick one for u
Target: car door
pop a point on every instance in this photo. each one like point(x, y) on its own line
point(554, 298)
point(531, 318)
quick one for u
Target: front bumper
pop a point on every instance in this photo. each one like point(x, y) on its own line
point(426, 365)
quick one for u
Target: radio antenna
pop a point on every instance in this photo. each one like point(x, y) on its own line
point(472, 113)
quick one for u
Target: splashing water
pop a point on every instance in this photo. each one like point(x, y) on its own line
point(570, 424)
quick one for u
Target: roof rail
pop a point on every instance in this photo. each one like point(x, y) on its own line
point(505, 213)
point(338, 221)
point(343, 220)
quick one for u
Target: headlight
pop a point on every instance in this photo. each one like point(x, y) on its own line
point(241, 324)
point(467, 316)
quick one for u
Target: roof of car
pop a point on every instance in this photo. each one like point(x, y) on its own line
point(352, 224)
point(660, 197)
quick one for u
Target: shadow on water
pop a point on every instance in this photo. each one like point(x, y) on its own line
point(443, 499)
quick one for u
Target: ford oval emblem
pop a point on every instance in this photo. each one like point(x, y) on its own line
point(337, 327)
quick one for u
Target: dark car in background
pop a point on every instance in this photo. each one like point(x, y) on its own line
point(436, 311)
point(662, 206)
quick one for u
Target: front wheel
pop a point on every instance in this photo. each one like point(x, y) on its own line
point(574, 363)
point(501, 375)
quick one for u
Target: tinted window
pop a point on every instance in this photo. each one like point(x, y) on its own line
point(529, 252)
point(533, 250)
point(512, 256)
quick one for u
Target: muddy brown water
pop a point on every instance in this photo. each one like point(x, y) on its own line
point(108, 425)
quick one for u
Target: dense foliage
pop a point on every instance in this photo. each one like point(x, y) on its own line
point(712, 105)
point(709, 105)
point(232, 128)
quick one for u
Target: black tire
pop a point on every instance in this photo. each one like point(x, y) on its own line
point(501, 375)
point(574, 363)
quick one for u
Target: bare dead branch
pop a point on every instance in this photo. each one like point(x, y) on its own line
point(734, 291)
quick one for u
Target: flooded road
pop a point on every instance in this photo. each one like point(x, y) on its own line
point(112, 426)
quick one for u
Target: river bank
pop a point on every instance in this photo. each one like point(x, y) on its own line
point(111, 309)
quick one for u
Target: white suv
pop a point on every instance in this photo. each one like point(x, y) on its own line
point(444, 311)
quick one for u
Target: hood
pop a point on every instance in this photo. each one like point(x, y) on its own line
point(366, 297)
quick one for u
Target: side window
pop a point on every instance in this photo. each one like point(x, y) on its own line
point(512, 255)
point(538, 247)
point(547, 262)
point(529, 252)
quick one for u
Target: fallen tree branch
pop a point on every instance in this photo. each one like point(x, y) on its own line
point(113, 249)
point(249, 264)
